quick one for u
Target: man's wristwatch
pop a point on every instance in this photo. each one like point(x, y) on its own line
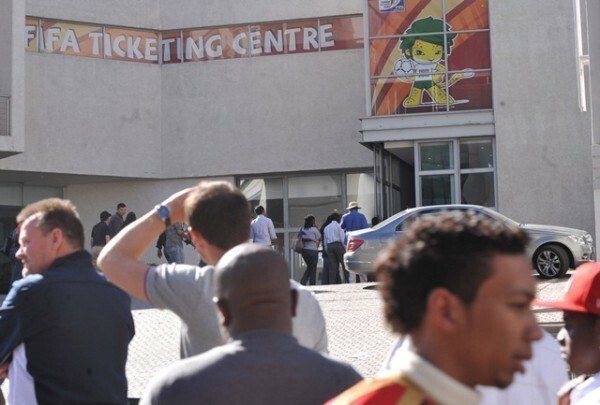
point(164, 213)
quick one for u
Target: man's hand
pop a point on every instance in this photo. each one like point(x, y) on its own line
point(121, 259)
point(175, 204)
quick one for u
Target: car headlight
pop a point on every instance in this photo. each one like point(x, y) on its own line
point(588, 239)
point(579, 239)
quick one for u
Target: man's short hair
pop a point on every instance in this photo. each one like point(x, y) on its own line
point(259, 209)
point(121, 205)
point(220, 212)
point(452, 250)
point(56, 213)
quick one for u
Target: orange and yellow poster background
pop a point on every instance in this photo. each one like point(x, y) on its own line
point(471, 50)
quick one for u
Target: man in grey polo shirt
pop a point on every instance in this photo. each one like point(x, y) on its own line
point(262, 363)
point(219, 219)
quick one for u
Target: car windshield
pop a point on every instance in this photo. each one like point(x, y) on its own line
point(393, 218)
point(494, 214)
point(500, 217)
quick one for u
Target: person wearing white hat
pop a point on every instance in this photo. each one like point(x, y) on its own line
point(353, 221)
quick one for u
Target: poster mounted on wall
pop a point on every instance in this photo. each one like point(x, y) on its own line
point(387, 6)
point(432, 56)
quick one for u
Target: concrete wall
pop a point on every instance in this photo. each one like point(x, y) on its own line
point(259, 115)
point(140, 197)
point(190, 13)
point(543, 141)
point(130, 13)
point(90, 116)
point(267, 114)
point(12, 24)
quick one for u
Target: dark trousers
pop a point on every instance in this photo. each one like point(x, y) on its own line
point(335, 253)
point(325, 270)
point(311, 257)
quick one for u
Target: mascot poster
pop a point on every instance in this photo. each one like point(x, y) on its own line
point(429, 56)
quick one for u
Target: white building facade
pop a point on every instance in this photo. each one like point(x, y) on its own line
point(305, 106)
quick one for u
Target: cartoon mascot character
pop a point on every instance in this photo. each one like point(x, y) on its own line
point(423, 51)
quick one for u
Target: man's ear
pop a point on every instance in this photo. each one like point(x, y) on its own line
point(223, 307)
point(445, 309)
point(294, 294)
point(56, 237)
point(197, 238)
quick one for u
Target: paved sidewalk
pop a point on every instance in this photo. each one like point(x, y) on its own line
point(355, 326)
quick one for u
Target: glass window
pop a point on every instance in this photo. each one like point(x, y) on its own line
point(439, 177)
point(313, 195)
point(269, 194)
point(433, 56)
point(476, 154)
point(35, 193)
point(478, 189)
point(437, 190)
point(360, 187)
point(11, 194)
point(437, 156)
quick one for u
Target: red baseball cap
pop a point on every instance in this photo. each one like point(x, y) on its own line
point(583, 292)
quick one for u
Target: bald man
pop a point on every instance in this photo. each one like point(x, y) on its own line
point(262, 363)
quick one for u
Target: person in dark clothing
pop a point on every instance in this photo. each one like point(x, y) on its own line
point(129, 218)
point(64, 328)
point(17, 266)
point(311, 237)
point(116, 221)
point(160, 246)
point(325, 270)
point(100, 235)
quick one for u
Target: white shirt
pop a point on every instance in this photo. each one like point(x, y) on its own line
point(333, 233)
point(588, 392)
point(442, 388)
point(262, 230)
point(21, 389)
point(425, 71)
point(544, 374)
point(309, 328)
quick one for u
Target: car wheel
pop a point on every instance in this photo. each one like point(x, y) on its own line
point(551, 261)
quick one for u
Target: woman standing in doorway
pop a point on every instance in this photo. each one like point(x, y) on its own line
point(311, 238)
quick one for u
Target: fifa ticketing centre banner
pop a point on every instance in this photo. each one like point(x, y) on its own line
point(193, 45)
point(428, 56)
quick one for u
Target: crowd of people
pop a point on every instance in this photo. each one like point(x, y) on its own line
point(456, 288)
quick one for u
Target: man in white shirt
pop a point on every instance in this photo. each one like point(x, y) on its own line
point(580, 337)
point(333, 240)
point(262, 230)
point(544, 374)
point(460, 285)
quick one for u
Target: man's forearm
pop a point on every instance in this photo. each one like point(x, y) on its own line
point(121, 261)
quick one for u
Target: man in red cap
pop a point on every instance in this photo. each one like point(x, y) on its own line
point(580, 337)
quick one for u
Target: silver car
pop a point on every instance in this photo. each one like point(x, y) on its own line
point(553, 249)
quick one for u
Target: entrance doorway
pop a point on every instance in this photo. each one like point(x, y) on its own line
point(434, 172)
point(395, 178)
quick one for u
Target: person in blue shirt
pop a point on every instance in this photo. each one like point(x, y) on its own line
point(353, 221)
